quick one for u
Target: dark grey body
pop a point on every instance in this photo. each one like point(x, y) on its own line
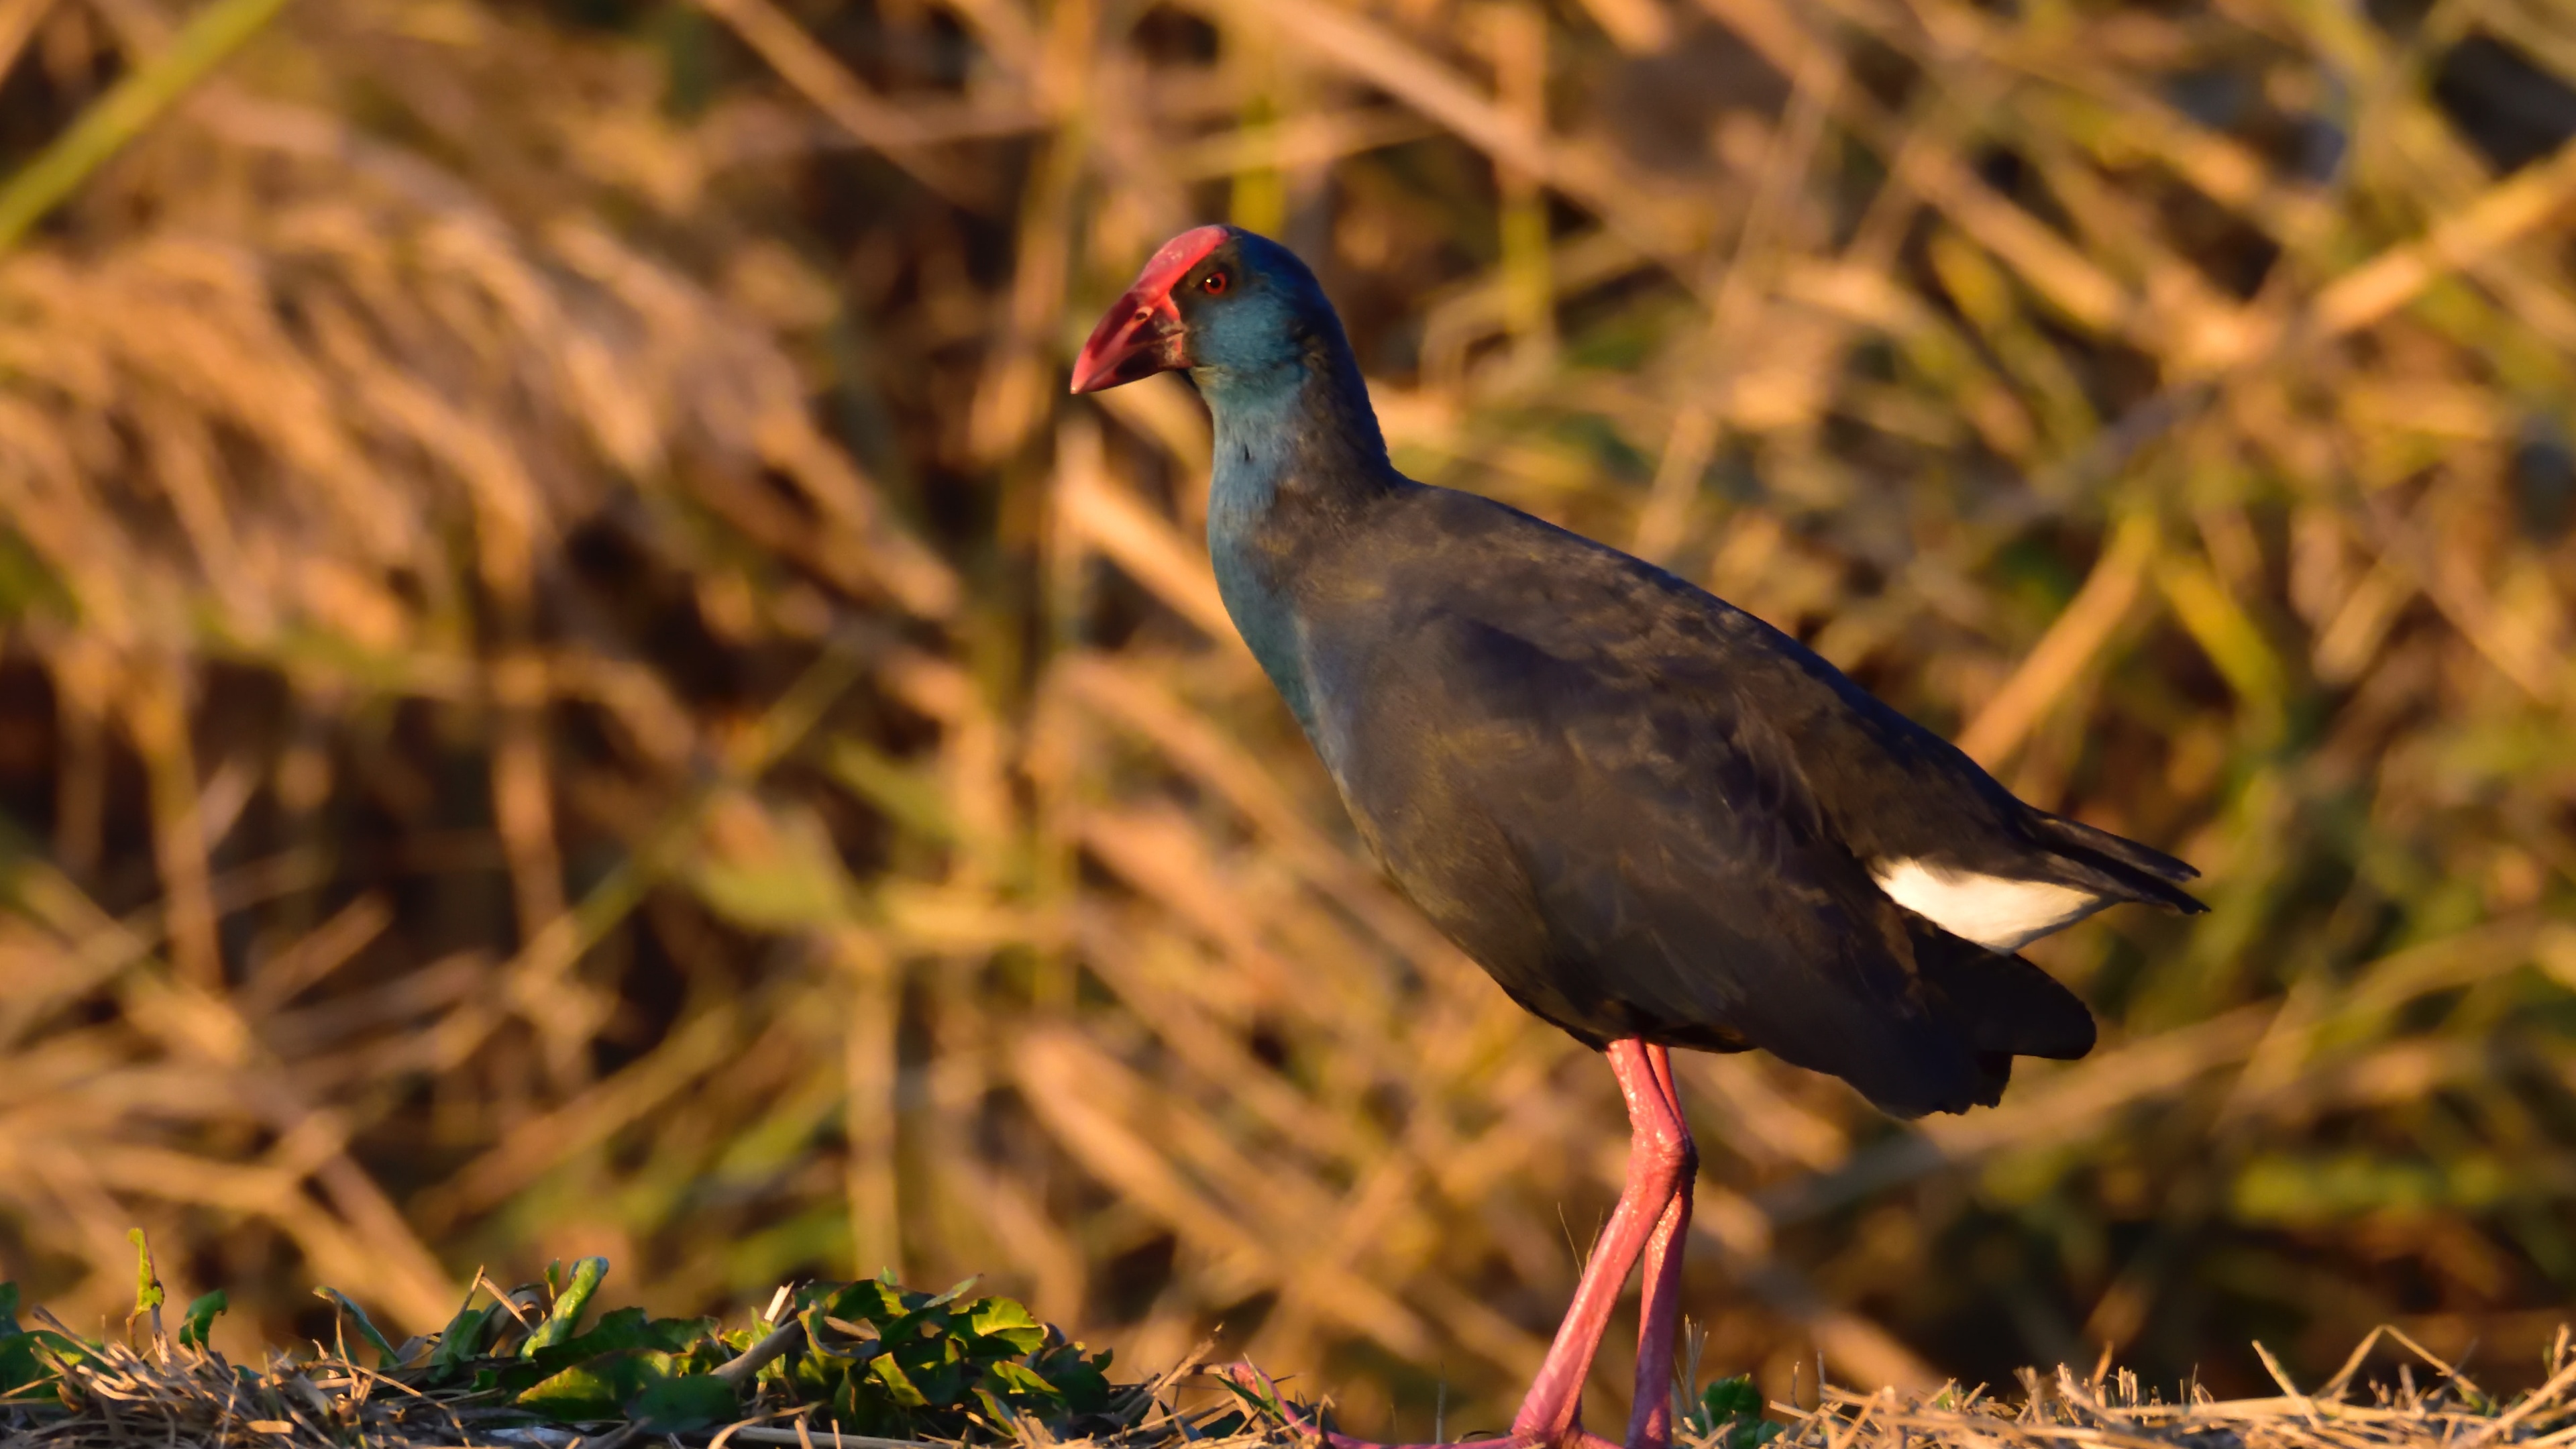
point(1645, 812)
point(1649, 814)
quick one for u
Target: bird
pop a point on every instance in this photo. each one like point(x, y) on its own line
point(1654, 819)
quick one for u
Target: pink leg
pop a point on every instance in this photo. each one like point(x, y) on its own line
point(1650, 1421)
point(1658, 1145)
point(1661, 1161)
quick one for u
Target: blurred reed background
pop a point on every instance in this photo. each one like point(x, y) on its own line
point(570, 682)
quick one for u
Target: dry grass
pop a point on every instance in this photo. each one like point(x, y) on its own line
point(2112, 1409)
point(569, 682)
point(182, 1394)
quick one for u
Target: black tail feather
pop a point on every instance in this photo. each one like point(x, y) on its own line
point(2132, 871)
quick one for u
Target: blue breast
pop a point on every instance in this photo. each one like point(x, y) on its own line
point(1249, 546)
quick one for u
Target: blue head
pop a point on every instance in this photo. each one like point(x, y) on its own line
point(1296, 443)
point(1251, 325)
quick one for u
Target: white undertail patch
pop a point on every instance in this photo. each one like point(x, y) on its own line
point(1997, 913)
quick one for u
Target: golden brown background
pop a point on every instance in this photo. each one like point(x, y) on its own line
point(570, 682)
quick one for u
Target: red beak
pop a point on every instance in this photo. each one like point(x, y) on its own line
point(1142, 334)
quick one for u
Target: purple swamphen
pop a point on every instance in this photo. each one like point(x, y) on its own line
point(1656, 820)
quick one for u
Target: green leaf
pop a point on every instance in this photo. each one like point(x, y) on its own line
point(818, 1348)
point(147, 1284)
point(1011, 1378)
point(689, 1402)
point(201, 1317)
point(20, 1364)
point(621, 1328)
point(461, 1341)
point(569, 1302)
point(1084, 1382)
point(1734, 1398)
point(996, 1410)
point(883, 1360)
point(582, 1392)
point(29, 1359)
point(858, 1404)
point(385, 1355)
point(679, 1335)
point(9, 1311)
point(898, 1385)
point(597, 1388)
point(1731, 1410)
point(867, 1301)
point(936, 1367)
point(952, 1295)
point(1009, 1321)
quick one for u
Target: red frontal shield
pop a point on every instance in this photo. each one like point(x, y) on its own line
point(1141, 334)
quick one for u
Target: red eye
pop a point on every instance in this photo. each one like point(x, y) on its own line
point(1213, 284)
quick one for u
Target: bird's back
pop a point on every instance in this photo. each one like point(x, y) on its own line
point(1648, 813)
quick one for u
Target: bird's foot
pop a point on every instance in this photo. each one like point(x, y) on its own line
point(1256, 1385)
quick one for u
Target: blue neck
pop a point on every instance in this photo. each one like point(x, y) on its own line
point(1296, 454)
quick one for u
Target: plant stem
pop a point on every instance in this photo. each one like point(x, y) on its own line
point(128, 108)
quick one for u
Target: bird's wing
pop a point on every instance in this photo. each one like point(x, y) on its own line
point(1631, 851)
point(1936, 831)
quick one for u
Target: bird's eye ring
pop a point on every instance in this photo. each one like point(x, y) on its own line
point(1213, 284)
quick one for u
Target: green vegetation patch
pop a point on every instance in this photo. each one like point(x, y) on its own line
point(869, 1358)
